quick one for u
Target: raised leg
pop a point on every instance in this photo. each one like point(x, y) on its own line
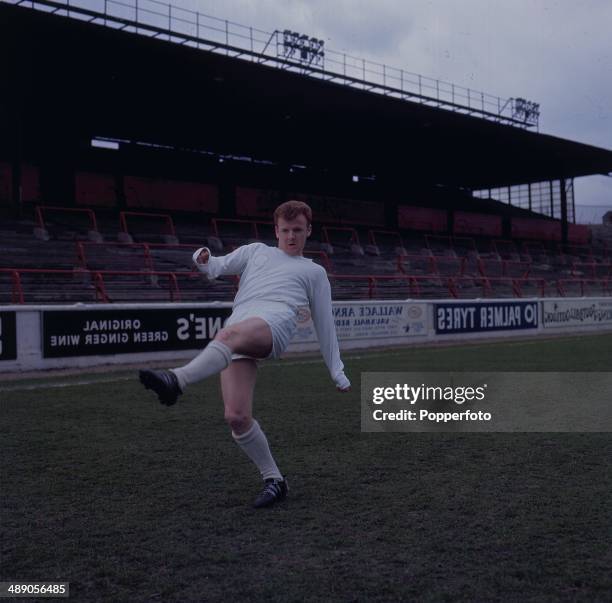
point(251, 337)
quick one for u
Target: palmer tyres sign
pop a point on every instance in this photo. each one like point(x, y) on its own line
point(128, 331)
point(478, 317)
point(8, 336)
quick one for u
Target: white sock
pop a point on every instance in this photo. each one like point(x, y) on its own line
point(215, 357)
point(255, 445)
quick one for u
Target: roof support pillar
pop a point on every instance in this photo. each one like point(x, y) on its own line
point(564, 228)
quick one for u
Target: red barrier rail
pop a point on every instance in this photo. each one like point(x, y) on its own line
point(539, 283)
point(100, 283)
point(504, 247)
point(454, 284)
point(412, 283)
point(583, 284)
point(82, 255)
point(147, 258)
point(438, 243)
point(432, 263)
point(16, 289)
point(460, 262)
point(387, 233)
point(591, 270)
point(17, 294)
point(443, 243)
point(534, 248)
point(39, 210)
point(257, 225)
point(505, 266)
point(354, 240)
point(428, 260)
point(254, 224)
point(123, 215)
point(97, 278)
point(585, 253)
point(215, 222)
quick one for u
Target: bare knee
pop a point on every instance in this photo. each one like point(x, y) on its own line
point(239, 421)
point(227, 336)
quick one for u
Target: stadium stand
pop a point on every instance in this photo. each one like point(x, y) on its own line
point(591, 270)
point(65, 223)
point(444, 245)
point(146, 227)
point(506, 250)
point(67, 266)
point(111, 226)
point(43, 286)
point(134, 256)
point(341, 239)
point(497, 268)
point(385, 242)
point(535, 251)
point(228, 233)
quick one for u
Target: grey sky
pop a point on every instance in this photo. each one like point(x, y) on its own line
point(557, 53)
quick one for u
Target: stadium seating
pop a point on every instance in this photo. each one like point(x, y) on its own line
point(69, 263)
point(65, 223)
point(385, 242)
point(141, 226)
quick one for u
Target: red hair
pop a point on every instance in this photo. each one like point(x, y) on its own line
point(290, 210)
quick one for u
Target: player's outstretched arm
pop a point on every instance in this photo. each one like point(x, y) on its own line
point(323, 319)
point(232, 263)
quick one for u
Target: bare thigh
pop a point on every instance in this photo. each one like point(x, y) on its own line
point(237, 387)
point(251, 337)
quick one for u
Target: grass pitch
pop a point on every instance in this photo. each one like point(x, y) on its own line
point(132, 501)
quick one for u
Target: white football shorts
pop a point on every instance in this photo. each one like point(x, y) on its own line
point(281, 319)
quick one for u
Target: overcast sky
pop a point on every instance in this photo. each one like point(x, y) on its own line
point(556, 53)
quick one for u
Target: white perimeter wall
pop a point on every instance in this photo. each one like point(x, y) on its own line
point(77, 336)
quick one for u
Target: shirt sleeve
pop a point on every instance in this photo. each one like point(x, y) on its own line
point(232, 263)
point(323, 319)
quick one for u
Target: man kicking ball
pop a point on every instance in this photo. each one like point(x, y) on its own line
point(275, 283)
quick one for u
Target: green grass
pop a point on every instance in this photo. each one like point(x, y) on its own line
point(131, 501)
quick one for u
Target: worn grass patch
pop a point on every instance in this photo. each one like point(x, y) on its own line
point(131, 501)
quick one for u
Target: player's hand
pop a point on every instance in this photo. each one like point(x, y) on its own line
point(342, 383)
point(203, 257)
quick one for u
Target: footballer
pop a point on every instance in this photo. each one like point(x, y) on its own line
point(275, 282)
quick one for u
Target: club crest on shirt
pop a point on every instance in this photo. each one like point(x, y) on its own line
point(303, 315)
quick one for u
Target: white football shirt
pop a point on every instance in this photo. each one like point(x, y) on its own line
point(274, 286)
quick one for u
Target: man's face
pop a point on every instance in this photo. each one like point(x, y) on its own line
point(292, 234)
